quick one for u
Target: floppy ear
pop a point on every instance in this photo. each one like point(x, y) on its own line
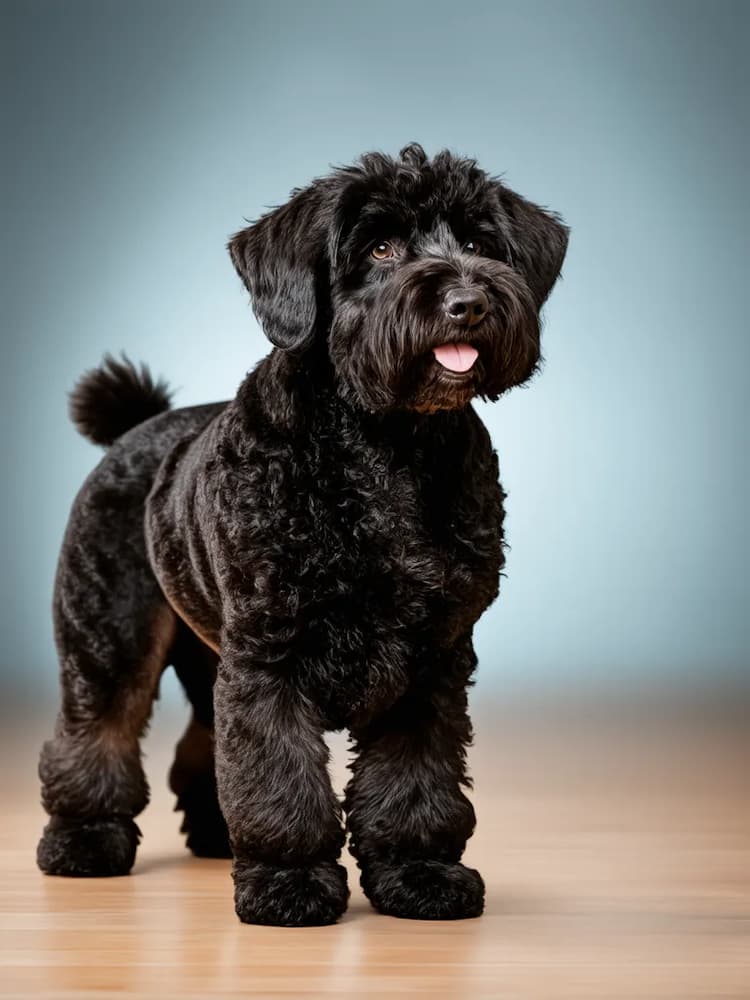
point(538, 241)
point(280, 259)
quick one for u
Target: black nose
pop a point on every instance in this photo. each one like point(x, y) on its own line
point(466, 306)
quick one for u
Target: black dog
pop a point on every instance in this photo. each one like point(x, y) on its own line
point(310, 556)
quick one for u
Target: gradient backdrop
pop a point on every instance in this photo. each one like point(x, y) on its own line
point(139, 135)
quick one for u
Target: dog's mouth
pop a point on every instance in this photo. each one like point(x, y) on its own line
point(446, 378)
point(456, 358)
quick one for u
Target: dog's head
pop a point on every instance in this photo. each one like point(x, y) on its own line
point(424, 277)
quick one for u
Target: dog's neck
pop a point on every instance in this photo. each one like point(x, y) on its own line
point(295, 394)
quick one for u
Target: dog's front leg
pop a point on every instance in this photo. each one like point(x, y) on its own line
point(275, 792)
point(408, 817)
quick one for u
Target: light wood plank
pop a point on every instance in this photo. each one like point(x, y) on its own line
point(616, 850)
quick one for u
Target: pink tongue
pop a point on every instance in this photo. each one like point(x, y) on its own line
point(455, 357)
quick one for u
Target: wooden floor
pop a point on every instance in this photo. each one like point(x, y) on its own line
point(615, 847)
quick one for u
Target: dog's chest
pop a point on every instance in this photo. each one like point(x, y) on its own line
point(393, 564)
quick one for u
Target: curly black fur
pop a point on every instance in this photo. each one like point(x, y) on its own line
point(312, 555)
point(109, 400)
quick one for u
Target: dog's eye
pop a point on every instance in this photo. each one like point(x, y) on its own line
point(472, 247)
point(382, 250)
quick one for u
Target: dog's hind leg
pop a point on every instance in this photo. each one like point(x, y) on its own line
point(114, 632)
point(193, 775)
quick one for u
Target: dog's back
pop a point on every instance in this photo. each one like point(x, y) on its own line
point(122, 407)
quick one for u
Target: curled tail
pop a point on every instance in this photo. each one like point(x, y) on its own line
point(109, 400)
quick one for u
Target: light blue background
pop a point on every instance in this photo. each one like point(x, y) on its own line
point(138, 135)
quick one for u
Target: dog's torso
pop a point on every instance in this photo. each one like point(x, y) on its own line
point(348, 553)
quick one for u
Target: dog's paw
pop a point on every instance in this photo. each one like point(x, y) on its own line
point(204, 824)
point(88, 848)
point(425, 890)
point(290, 897)
point(208, 840)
